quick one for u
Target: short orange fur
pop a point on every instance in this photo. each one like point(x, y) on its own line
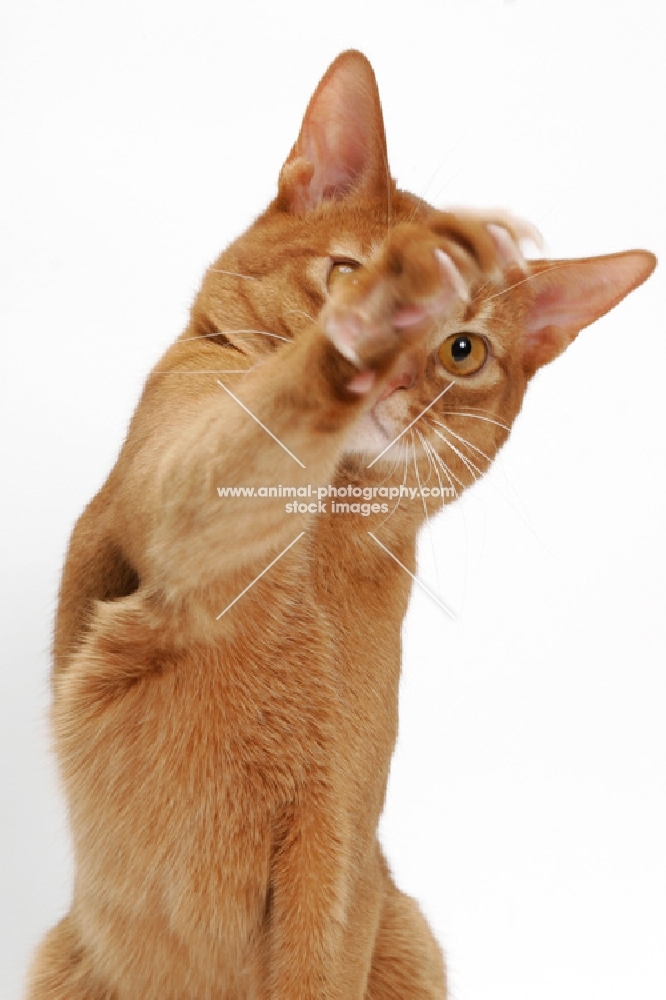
point(225, 776)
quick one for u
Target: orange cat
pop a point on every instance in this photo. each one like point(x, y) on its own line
point(225, 757)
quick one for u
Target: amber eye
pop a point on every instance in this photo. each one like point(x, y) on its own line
point(463, 353)
point(340, 271)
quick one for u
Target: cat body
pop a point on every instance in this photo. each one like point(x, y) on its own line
point(225, 757)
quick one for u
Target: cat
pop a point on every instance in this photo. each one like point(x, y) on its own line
point(226, 667)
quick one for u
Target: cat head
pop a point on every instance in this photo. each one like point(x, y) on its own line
point(336, 202)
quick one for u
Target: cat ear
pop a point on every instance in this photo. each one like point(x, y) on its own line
point(342, 145)
point(563, 296)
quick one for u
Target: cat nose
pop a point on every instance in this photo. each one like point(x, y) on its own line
point(405, 379)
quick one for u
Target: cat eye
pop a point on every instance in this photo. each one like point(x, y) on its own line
point(463, 353)
point(340, 271)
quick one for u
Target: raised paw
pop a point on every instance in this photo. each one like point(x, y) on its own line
point(381, 317)
point(384, 309)
point(489, 240)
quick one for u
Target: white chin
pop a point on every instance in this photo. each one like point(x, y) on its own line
point(369, 439)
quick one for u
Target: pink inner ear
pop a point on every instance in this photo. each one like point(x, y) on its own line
point(552, 307)
point(341, 144)
point(566, 296)
point(335, 141)
point(578, 292)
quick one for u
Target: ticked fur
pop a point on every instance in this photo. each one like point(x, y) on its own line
point(225, 773)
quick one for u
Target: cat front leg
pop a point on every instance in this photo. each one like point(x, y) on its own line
point(285, 421)
point(322, 941)
point(282, 423)
point(310, 889)
point(407, 961)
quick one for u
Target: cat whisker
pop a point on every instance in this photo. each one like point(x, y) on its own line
point(429, 453)
point(427, 448)
point(224, 333)
point(420, 437)
point(493, 484)
point(430, 450)
point(201, 371)
point(464, 441)
point(449, 180)
point(480, 290)
point(477, 416)
point(475, 409)
point(233, 274)
point(448, 472)
point(473, 469)
point(530, 277)
point(425, 511)
point(418, 477)
point(300, 312)
point(411, 423)
point(404, 480)
point(451, 150)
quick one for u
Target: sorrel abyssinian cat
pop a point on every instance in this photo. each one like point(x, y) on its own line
point(225, 759)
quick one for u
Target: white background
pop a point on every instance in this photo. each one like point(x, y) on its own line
point(526, 809)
